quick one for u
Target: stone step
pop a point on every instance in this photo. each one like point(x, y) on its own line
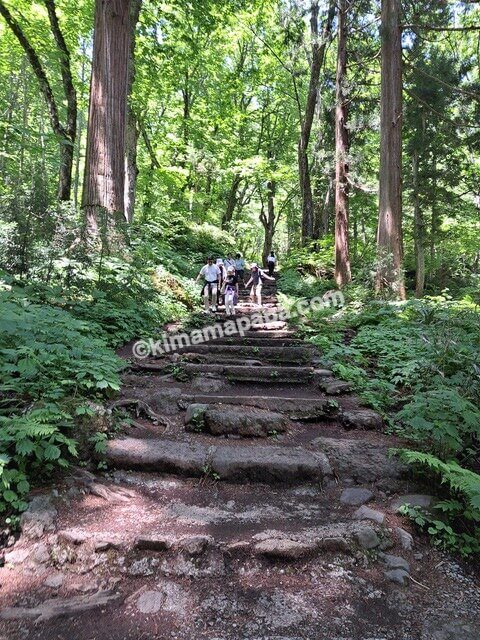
point(233, 373)
point(262, 339)
point(286, 354)
point(295, 407)
point(238, 421)
point(274, 325)
point(232, 463)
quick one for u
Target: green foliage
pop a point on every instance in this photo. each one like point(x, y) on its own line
point(441, 419)
point(453, 522)
point(418, 363)
point(49, 361)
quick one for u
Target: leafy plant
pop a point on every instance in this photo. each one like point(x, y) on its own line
point(453, 522)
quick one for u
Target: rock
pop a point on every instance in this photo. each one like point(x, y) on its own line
point(176, 599)
point(333, 544)
point(38, 518)
point(268, 464)
point(395, 562)
point(406, 539)
point(73, 536)
point(84, 587)
point(451, 630)
point(142, 567)
point(104, 545)
point(56, 607)
point(208, 385)
point(367, 538)
point(165, 401)
point(365, 513)
point(320, 375)
point(17, 556)
point(154, 542)
point(150, 602)
point(336, 387)
point(61, 555)
point(386, 543)
point(413, 499)
point(195, 545)
point(397, 575)
point(208, 564)
point(244, 422)
point(54, 581)
point(355, 496)
point(361, 419)
point(363, 462)
point(283, 549)
point(195, 416)
point(41, 553)
point(323, 373)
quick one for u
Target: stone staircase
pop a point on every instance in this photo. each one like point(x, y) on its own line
point(235, 508)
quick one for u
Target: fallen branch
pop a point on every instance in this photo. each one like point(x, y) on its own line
point(424, 586)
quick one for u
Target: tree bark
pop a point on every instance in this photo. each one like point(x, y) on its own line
point(103, 197)
point(343, 273)
point(318, 55)
point(66, 134)
point(232, 200)
point(132, 132)
point(419, 230)
point(67, 147)
point(389, 233)
point(434, 227)
point(268, 221)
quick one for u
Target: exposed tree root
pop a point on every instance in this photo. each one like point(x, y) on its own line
point(141, 406)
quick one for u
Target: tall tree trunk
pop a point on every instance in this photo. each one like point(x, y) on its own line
point(232, 199)
point(104, 182)
point(389, 233)
point(132, 132)
point(433, 231)
point(419, 230)
point(318, 55)
point(80, 128)
point(343, 273)
point(268, 221)
point(65, 133)
point(68, 145)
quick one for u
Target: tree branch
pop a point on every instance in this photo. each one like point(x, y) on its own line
point(65, 69)
point(429, 27)
point(34, 60)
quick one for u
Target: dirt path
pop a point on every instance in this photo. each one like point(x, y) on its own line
point(263, 507)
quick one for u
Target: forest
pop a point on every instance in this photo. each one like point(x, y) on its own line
point(137, 138)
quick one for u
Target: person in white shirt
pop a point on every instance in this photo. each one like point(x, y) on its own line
point(271, 260)
point(239, 264)
point(211, 275)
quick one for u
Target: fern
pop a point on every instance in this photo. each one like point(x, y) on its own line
point(456, 525)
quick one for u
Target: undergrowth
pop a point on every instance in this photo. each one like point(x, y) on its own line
point(418, 363)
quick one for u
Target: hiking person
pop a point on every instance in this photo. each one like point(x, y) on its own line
point(230, 291)
point(256, 277)
point(210, 273)
point(223, 275)
point(229, 261)
point(271, 260)
point(239, 266)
